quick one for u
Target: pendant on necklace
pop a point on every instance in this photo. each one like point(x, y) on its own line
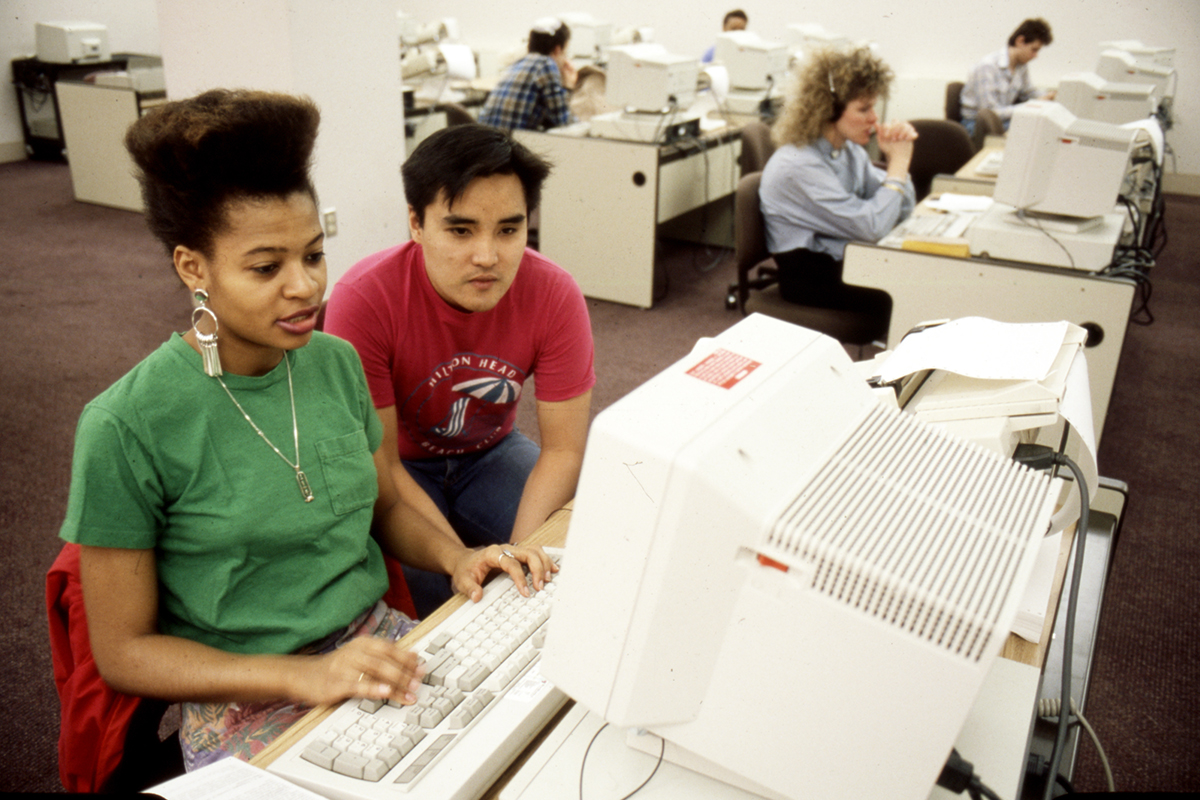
point(305, 489)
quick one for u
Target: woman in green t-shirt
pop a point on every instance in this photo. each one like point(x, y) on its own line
point(225, 492)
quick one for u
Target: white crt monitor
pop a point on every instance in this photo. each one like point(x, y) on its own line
point(589, 36)
point(1120, 66)
point(645, 77)
point(753, 62)
point(796, 586)
point(806, 36)
point(1055, 163)
point(1144, 53)
point(1088, 96)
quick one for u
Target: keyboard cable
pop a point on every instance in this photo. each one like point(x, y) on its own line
point(662, 748)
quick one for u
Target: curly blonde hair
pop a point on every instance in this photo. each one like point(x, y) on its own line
point(822, 87)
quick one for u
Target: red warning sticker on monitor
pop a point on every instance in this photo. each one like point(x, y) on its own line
point(723, 368)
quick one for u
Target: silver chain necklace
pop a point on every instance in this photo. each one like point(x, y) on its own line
point(301, 478)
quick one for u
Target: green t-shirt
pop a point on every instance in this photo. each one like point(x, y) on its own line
point(164, 460)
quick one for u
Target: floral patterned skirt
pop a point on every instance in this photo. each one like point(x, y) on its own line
point(210, 732)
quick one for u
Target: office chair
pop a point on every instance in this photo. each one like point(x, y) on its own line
point(457, 114)
point(757, 147)
point(954, 101)
point(942, 146)
point(108, 740)
point(987, 123)
point(757, 273)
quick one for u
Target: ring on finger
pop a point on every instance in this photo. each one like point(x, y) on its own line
point(360, 676)
point(505, 553)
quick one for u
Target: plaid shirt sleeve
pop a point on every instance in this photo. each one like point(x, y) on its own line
point(531, 96)
point(992, 84)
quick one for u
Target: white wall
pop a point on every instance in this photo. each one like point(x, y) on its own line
point(344, 55)
point(918, 38)
point(132, 28)
point(344, 52)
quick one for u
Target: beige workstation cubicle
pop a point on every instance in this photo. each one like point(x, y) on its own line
point(605, 200)
point(94, 116)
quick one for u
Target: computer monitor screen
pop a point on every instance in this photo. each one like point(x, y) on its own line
point(1057, 164)
point(777, 573)
point(753, 63)
point(644, 77)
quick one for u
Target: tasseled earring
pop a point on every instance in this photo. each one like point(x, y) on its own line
point(207, 341)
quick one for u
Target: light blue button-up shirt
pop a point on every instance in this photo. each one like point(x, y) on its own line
point(819, 198)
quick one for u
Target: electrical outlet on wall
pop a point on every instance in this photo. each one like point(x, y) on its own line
point(329, 218)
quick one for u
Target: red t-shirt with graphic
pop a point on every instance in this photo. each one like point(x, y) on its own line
point(455, 377)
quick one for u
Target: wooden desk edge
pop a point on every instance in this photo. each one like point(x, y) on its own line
point(552, 533)
point(1034, 653)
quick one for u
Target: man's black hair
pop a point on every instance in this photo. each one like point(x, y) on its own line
point(1035, 29)
point(450, 159)
point(544, 43)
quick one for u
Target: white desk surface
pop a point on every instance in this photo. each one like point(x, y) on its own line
point(994, 739)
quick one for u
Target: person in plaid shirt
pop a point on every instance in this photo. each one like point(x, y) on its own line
point(533, 94)
point(1001, 81)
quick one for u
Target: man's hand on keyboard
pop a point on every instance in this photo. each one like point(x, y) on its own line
point(476, 565)
point(363, 667)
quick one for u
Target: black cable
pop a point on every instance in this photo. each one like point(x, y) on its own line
point(1038, 457)
point(958, 775)
point(661, 752)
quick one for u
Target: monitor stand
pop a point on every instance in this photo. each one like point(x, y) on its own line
point(1083, 244)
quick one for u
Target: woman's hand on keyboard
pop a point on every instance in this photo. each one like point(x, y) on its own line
point(475, 565)
point(363, 667)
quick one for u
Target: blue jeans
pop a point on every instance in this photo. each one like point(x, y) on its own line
point(479, 494)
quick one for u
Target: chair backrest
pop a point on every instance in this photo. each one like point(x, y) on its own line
point(757, 147)
point(987, 123)
point(749, 232)
point(954, 100)
point(94, 717)
point(457, 114)
point(942, 147)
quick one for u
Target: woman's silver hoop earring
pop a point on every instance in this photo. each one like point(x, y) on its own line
point(207, 341)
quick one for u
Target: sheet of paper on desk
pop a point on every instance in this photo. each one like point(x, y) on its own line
point(231, 779)
point(1031, 614)
point(719, 78)
point(979, 348)
point(460, 60)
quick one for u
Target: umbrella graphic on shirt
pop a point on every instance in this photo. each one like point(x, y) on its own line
point(453, 424)
point(492, 390)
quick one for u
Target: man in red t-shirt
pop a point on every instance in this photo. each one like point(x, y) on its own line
point(450, 325)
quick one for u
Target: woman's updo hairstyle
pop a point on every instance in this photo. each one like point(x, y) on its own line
point(194, 156)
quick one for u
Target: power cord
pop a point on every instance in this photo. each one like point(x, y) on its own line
point(1052, 707)
point(1041, 457)
point(959, 775)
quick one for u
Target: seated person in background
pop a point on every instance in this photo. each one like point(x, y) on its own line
point(226, 492)
point(820, 189)
point(451, 325)
point(534, 93)
point(1001, 81)
point(735, 20)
